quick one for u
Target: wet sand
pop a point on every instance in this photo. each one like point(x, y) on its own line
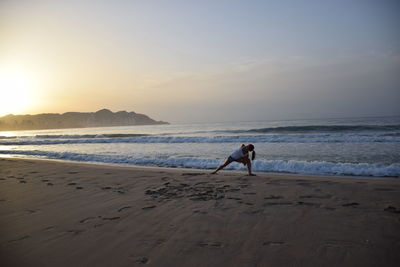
point(69, 214)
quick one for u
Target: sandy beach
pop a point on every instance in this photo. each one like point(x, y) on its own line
point(69, 214)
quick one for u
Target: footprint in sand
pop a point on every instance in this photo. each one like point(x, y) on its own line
point(193, 173)
point(49, 184)
point(316, 196)
point(19, 239)
point(32, 211)
point(200, 212)
point(124, 208)
point(72, 184)
point(307, 203)
point(87, 219)
point(142, 260)
point(383, 189)
point(392, 209)
point(79, 187)
point(160, 241)
point(199, 183)
point(305, 184)
point(350, 204)
point(22, 182)
point(273, 197)
point(277, 203)
point(273, 243)
point(234, 198)
point(232, 190)
point(73, 172)
point(149, 207)
point(251, 212)
point(210, 244)
point(76, 231)
point(111, 218)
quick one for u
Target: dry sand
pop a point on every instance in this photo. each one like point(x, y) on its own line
point(67, 214)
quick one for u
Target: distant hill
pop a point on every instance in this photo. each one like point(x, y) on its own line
point(101, 118)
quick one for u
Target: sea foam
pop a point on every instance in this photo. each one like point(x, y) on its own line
point(276, 138)
point(290, 166)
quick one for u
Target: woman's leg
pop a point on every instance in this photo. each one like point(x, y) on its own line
point(226, 163)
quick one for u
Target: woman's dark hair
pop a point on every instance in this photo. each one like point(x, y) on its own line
point(253, 154)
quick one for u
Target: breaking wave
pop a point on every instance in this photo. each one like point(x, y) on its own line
point(294, 138)
point(291, 166)
point(323, 128)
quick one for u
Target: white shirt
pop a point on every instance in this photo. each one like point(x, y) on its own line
point(239, 154)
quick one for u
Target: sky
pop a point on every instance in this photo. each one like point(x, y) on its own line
point(202, 61)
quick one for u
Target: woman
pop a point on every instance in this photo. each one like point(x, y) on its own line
point(241, 155)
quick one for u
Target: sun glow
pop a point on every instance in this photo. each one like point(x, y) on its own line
point(16, 91)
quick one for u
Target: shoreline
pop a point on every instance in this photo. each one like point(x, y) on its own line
point(244, 171)
point(78, 214)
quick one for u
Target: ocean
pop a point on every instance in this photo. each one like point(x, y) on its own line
point(349, 147)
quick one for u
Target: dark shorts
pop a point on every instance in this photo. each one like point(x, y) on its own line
point(230, 160)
